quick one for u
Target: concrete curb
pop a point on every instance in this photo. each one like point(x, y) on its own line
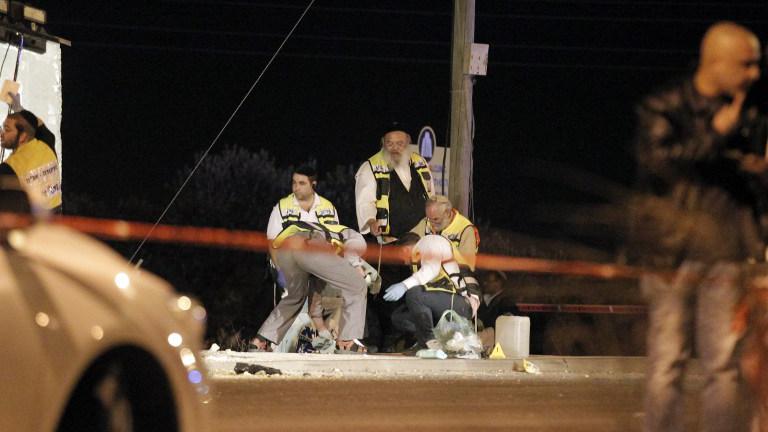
point(223, 363)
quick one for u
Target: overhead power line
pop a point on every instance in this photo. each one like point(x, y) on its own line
point(208, 32)
point(382, 59)
point(495, 46)
point(669, 3)
point(447, 13)
point(616, 19)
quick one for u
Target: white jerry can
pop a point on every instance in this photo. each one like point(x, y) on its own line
point(513, 333)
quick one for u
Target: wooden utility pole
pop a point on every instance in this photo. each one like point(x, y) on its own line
point(459, 187)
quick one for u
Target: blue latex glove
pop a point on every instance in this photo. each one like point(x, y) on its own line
point(280, 279)
point(395, 292)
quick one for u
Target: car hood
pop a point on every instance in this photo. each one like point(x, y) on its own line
point(136, 293)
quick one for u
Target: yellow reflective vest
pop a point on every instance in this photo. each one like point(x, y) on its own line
point(37, 168)
point(290, 211)
point(332, 233)
point(443, 281)
point(454, 231)
point(381, 172)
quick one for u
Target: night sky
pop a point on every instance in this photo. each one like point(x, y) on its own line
point(148, 84)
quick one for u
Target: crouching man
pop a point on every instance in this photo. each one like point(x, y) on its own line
point(442, 280)
point(303, 250)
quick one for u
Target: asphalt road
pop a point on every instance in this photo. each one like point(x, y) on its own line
point(548, 402)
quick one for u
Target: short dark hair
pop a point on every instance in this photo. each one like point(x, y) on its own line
point(25, 121)
point(307, 170)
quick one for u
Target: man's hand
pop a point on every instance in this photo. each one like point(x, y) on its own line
point(727, 117)
point(16, 102)
point(374, 226)
point(395, 292)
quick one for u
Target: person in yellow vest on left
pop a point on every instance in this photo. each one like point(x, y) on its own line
point(33, 162)
point(303, 204)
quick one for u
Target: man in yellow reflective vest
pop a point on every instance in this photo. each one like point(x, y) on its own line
point(300, 214)
point(33, 162)
point(425, 304)
point(391, 187)
point(441, 281)
point(299, 266)
point(442, 219)
point(302, 204)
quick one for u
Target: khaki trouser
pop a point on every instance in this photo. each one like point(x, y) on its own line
point(329, 268)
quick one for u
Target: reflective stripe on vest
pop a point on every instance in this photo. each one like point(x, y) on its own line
point(290, 211)
point(333, 234)
point(381, 173)
point(454, 230)
point(443, 281)
point(37, 168)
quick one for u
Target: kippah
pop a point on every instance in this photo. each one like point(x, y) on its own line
point(394, 126)
point(30, 118)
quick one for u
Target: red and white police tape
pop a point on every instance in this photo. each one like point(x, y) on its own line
point(256, 241)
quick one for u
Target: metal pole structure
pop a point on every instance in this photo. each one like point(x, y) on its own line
point(461, 105)
point(15, 78)
point(18, 57)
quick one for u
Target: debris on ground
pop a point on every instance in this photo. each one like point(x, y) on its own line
point(432, 354)
point(530, 367)
point(255, 369)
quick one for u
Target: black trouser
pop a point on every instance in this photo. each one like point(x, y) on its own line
point(422, 309)
point(379, 317)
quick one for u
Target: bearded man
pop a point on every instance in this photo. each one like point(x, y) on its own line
point(391, 188)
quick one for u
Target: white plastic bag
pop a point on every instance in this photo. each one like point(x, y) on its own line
point(456, 335)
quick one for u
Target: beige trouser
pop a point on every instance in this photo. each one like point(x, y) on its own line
point(329, 268)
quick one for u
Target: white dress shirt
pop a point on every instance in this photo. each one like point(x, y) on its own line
point(365, 191)
point(275, 224)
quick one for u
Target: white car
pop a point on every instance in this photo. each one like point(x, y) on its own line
point(89, 343)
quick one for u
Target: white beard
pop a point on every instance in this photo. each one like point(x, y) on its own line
point(401, 167)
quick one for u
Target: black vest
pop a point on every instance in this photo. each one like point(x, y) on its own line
point(406, 208)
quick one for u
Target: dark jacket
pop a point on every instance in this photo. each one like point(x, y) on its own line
point(694, 202)
point(503, 303)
